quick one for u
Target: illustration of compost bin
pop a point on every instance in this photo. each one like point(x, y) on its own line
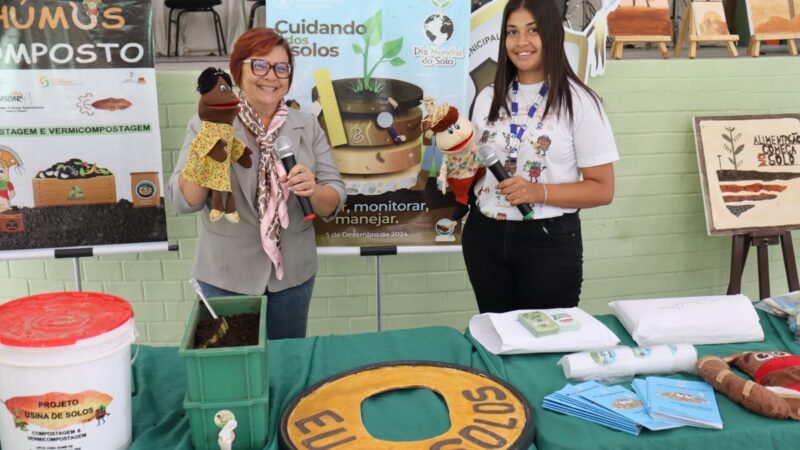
point(74, 182)
point(373, 124)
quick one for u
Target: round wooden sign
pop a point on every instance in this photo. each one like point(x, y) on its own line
point(485, 412)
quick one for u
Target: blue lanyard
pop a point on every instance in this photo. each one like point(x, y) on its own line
point(518, 131)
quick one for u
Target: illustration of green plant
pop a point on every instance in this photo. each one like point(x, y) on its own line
point(441, 4)
point(731, 147)
point(390, 50)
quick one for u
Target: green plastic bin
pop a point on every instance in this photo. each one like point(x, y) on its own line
point(232, 373)
point(251, 423)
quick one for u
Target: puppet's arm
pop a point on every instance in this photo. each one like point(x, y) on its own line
point(753, 396)
point(241, 154)
point(441, 180)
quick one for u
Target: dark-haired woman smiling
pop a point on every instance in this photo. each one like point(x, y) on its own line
point(272, 250)
point(551, 134)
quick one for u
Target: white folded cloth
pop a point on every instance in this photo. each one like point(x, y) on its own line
point(503, 334)
point(623, 361)
point(720, 319)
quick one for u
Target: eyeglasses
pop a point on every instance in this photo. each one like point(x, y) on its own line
point(261, 67)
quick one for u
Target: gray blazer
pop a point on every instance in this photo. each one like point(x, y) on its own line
point(230, 255)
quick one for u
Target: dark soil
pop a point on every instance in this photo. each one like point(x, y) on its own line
point(242, 331)
point(86, 225)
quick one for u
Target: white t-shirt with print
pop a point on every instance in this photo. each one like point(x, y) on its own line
point(552, 155)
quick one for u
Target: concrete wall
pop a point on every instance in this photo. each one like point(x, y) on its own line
point(650, 242)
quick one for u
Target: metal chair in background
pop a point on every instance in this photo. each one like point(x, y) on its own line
point(257, 4)
point(184, 6)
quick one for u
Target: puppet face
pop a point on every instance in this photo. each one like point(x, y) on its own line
point(750, 362)
point(220, 104)
point(3, 172)
point(456, 137)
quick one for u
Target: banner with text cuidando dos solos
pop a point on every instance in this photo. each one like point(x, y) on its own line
point(377, 76)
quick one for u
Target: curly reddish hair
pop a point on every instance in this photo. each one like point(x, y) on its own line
point(449, 119)
point(257, 41)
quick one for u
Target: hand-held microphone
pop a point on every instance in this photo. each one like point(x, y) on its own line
point(489, 158)
point(283, 147)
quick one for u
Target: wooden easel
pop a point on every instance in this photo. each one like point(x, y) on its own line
point(690, 26)
point(740, 248)
point(754, 49)
point(617, 42)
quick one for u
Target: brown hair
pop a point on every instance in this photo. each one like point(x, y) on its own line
point(257, 41)
point(557, 71)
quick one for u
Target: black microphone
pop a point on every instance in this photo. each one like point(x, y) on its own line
point(283, 147)
point(486, 152)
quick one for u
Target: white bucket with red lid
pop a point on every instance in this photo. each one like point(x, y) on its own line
point(65, 372)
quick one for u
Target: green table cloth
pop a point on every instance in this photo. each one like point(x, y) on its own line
point(294, 364)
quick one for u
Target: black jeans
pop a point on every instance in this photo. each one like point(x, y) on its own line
point(523, 265)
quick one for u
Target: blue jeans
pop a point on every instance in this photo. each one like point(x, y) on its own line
point(287, 310)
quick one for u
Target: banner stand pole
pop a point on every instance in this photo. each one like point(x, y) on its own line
point(76, 268)
point(378, 290)
point(77, 253)
point(377, 252)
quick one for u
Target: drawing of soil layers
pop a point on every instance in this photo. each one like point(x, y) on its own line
point(750, 169)
point(374, 124)
point(640, 18)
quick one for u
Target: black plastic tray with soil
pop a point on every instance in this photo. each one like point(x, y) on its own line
point(242, 331)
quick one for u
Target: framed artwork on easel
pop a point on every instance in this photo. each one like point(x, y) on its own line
point(750, 172)
point(750, 175)
point(773, 20)
point(705, 22)
point(640, 21)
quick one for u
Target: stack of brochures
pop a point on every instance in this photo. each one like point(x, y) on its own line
point(657, 403)
point(689, 402)
point(785, 305)
point(612, 406)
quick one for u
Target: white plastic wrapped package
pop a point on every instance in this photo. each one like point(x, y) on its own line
point(720, 319)
point(625, 362)
point(503, 334)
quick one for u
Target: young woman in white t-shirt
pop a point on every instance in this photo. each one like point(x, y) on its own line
point(550, 132)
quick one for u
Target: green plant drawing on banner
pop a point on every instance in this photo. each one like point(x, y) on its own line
point(390, 50)
point(731, 147)
point(441, 4)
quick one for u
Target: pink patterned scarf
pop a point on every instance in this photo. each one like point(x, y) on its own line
point(272, 194)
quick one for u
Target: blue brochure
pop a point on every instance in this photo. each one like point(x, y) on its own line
point(621, 401)
point(568, 400)
point(690, 402)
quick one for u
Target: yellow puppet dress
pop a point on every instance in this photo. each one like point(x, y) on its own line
point(203, 169)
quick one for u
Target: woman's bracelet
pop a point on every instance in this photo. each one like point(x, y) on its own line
point(544, 203)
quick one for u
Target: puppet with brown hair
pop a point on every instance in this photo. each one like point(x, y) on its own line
point(215, 147)
point(454, 136)
point(774, 390)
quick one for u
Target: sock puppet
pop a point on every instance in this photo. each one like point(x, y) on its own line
point(454, 136)
point(215, 147)
point(775, 391)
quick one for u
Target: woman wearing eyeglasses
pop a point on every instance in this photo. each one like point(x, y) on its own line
point(272, 250)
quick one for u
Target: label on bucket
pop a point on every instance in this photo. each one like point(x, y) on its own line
point(57, 417)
